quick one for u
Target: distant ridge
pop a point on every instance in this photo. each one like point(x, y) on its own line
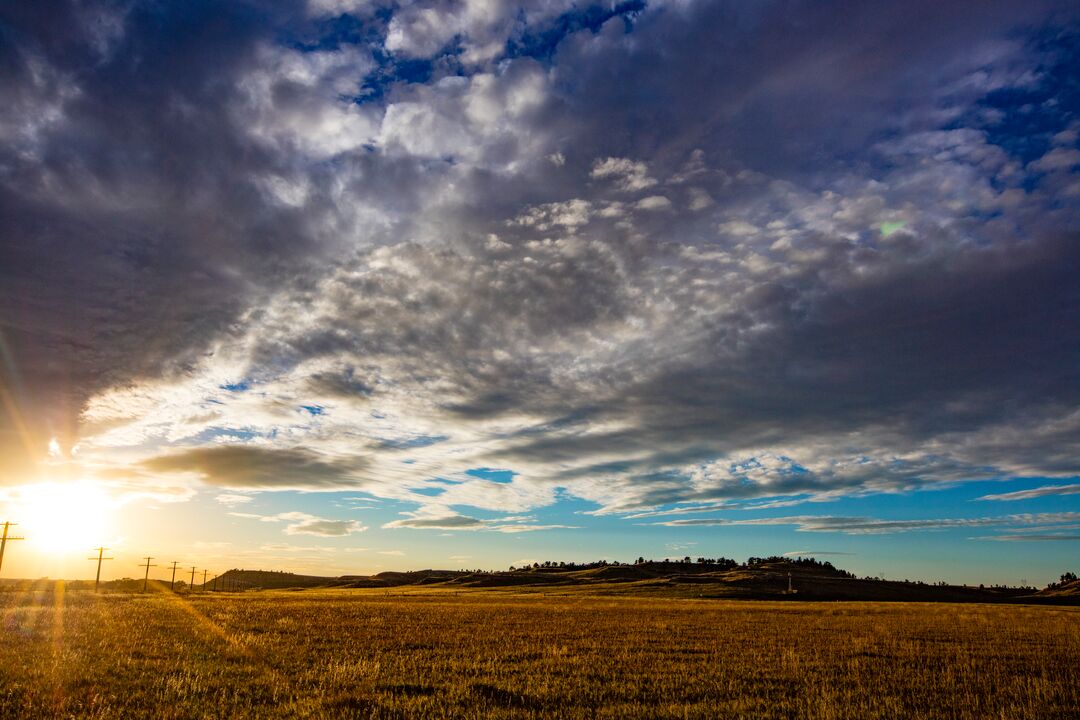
point(767, 578)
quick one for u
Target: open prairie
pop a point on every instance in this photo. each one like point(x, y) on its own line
point(448, 654)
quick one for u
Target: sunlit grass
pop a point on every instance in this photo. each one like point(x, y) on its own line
point(482, 654)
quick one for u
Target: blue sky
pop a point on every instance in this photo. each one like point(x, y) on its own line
point(340, 286)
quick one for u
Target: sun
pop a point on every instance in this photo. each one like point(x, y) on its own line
point(61, 518)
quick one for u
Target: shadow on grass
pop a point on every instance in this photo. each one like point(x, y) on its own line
point(504, 698)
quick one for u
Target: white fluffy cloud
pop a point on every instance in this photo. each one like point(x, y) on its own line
point(300, 523)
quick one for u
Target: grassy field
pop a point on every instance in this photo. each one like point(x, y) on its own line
point(436, 654)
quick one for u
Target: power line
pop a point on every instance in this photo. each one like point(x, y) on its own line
point(4, 541)
point(99, 558)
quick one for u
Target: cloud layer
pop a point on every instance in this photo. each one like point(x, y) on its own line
point(661, 255)
point(873, 526)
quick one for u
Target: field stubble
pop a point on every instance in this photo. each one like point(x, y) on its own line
point(496, 654)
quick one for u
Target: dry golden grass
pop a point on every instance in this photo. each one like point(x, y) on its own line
point(497, 654)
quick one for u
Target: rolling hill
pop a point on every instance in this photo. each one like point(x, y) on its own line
point(770, 578)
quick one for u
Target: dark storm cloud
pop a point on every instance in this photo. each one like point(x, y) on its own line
point(448, 522)
point(463, 522)
point(324, 528)
point(924, 348)
point(946, 334)
point(145, 179)
point(786, 88)
point(131, 230)
point(257, 468)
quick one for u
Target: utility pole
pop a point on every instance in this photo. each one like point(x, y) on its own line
point(4, 541)
point(191, 587)
point(204, 579)
point(172, 583)
point(146, 576)
point(99, 558)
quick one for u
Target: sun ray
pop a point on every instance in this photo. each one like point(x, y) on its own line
point(57, 639)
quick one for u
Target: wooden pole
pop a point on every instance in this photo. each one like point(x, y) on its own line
point(4, 541)
point(172, 583)
point(146, 576)
point(99, 558)
point(191, 587)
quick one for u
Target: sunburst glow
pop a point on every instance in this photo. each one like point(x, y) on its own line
point(60, 518)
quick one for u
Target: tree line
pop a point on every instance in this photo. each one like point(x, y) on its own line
point(713, 563)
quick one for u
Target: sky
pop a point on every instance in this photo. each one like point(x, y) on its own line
point(343, 286)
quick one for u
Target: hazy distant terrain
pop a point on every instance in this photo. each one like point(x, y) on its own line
point(766, 578)
point(436, 652)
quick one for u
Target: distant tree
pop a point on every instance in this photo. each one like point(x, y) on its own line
point(1066, 579)
point(640, 560)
